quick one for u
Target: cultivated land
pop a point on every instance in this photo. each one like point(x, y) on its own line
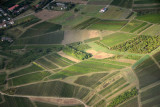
point(81, 57)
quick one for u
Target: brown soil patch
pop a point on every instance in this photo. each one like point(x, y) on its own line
point(74, 1)
point(68, 57)
point(99, 55)
point(46, 14)
point(127, 61)
point(57, 101)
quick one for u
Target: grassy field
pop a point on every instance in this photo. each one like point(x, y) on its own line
point(133, 26)
point(102, 103)
point(42, 104)
point(107, 25)
point(46, 63)
point(3, 77)
point(131, 103)
point(123, 3)
point(114, 13)
point(51, 38)
point(150, 93)
point(54, 89)
point(93, 100)
point(29, 78)
point(89, 81)
point(84, 68)
point(40, 29)
point(30, 69)
point(53, 58)
point(153, 30)
point(153, 101)
point(112, 87)
point(153, 18)
point(157, 57)
point(91, 40)
point(116, 38)
point(16, 102)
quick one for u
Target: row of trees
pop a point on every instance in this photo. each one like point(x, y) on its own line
point(76, 53)
point(123, 97)
point(141, 44)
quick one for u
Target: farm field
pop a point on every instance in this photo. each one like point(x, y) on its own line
point(41, 29)
point(30, 69)
point(122, 3)
point(107, 25)
point(29, 78)
point(51, 38)
point(153, 18)
point(80, 53)
point(116, 38)
point(131, 103)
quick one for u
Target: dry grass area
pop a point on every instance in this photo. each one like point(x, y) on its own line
point(74, 1)
point(61, 53)
point(99, 55)
point(46, 14)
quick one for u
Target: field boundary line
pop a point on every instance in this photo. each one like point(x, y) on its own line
point(155, 61)
point(146, 29)
point(51, 62)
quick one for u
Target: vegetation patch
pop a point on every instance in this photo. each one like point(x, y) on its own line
point(141, 44)
point(3, 77)
point(123, 3)
point(123, 97)
point(131, 103)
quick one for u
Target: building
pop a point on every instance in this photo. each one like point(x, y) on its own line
point(103, 10)
point(6, 39)
point(13, 7)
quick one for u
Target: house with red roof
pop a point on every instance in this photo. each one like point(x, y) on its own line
point(13, 7)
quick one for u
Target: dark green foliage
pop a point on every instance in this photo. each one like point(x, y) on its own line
point(16, 102)
point(141, 44)
point(2, 77)
point(30, 22)
point(123, 97)
point(30, 56)
point(79, 46)
point(76, 53)
point(2, 63)
point(32, 68)
point(146, 1)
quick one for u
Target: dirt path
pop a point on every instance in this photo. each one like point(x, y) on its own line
point(155, 61)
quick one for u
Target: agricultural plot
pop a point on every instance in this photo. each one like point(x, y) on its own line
point(93, 100)
point(99, 2)
point(29, 78)
point(51, 38)
point(150, 93)
point(123, 3)
point(153, 18)
point(112, 87)
point(53, 58)
point(43, 62)
point(102, 103)
point(153, 30)
point(136, 45)
point(107, 25)
point(54, 89)
point(111, 62)
point(1, 98)
point(146, 1)
point(42, 104)
point(40, 29)
point(157, 57)
point(145, 26)
point(16, 102)
point(116, 38)
point(89, 81)
point(133, 26)
point(115, 13)
point(81, 46)
point(91, 40)
point(146, 77)
point(30, 69)
point(153, 101)
point(84, 68)
point(131, 103)
point(3, 77)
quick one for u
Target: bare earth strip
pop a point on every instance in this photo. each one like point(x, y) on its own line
point(57, 101)
point(61, 53)
point(74, 1)
point(127, 61)
point(46, 14)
